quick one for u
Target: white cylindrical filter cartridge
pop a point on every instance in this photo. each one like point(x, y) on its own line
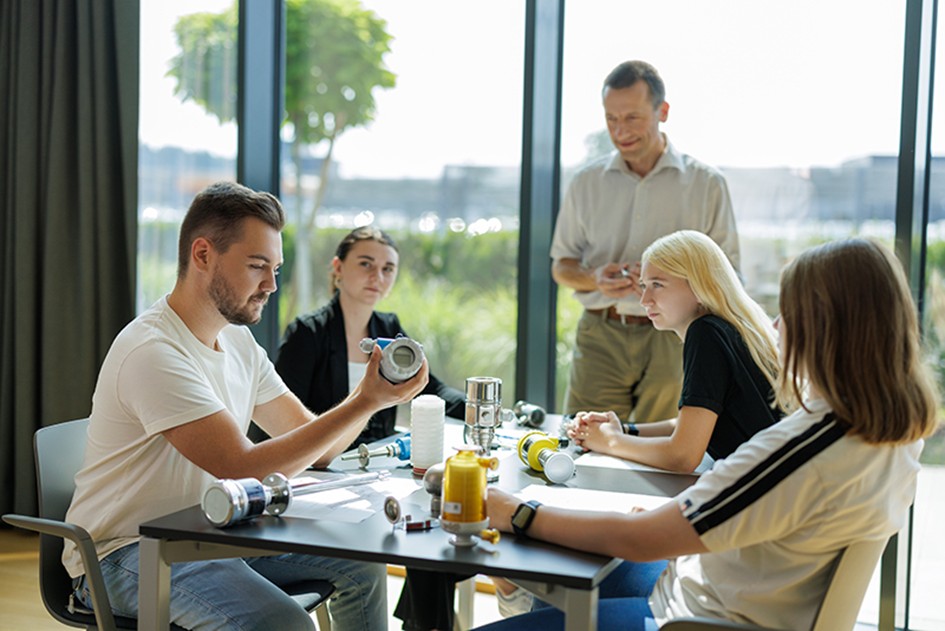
point(427, 418)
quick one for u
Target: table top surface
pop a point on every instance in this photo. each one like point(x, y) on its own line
point(376, 540)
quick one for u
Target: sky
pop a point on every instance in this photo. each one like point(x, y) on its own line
point(750, 83)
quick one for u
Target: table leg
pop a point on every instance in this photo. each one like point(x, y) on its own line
point(466, 592)
point(154, 586)
point(579, 605)
point(580, 611)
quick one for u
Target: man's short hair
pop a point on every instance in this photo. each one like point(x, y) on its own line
point(629, 72)
point(217, 214)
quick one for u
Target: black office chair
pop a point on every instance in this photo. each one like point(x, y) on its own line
point(59, 451)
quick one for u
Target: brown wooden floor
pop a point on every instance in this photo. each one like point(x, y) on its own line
point(20, 605)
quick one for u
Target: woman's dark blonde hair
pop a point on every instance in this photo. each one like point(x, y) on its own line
point(697, 259)
point(852, 333)
point(365, 233)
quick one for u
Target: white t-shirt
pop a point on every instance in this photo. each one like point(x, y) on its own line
point(156, 376)
point(775, 514)
point(356, 373)
point(610, 214)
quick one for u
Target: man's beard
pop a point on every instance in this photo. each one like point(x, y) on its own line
point(230, 307)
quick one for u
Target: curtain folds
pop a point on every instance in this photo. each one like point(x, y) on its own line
point(68, 198)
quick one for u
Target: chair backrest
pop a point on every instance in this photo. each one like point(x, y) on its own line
point(851, 576)
point(59, 450)
point(838, 610)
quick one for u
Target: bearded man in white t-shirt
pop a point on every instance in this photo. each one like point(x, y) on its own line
point(174, 398)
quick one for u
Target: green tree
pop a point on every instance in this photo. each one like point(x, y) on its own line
point(334, 60)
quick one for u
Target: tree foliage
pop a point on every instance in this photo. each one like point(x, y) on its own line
point(205, 67)
point(334, 60)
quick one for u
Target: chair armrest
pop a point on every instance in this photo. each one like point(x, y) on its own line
point(83, 541)
point(707, 624)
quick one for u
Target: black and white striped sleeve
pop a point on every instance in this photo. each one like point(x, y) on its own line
point(768, 488)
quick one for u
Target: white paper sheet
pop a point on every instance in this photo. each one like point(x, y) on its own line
point(584, 499)
point(352, 504)
point(594, 459)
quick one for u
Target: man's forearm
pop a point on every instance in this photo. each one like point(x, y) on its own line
point(572, 273)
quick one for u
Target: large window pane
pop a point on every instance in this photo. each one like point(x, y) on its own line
point(928, 558)
point(415, 130)
point(187, 86)
point(796, 106)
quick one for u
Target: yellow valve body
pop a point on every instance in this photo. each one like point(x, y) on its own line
point(464, 486)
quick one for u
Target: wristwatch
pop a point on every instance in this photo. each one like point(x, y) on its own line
point(523, 516)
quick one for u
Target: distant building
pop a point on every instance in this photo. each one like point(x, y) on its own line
point(862, 189)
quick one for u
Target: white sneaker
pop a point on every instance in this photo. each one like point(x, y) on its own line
point(518, 602)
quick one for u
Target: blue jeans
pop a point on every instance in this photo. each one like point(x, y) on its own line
point(622, 603)
point(244, 594)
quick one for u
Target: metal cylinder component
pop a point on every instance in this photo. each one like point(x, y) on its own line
point(227, 502)
point(483, 406)
point(401, 357)
point(557, 465)
point(529, 414)
point(540, 452)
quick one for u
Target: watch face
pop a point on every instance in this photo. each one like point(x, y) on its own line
point(522, 516)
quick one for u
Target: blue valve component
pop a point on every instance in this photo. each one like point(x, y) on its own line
point(398, 448)
point(383, 341)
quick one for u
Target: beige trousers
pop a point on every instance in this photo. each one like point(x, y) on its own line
point(632, 369)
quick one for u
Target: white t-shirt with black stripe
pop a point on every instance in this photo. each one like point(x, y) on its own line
point(776, 513)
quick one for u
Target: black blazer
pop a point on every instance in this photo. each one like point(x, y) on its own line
point(313, 362)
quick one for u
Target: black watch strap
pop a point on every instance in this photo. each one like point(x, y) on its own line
point(523, 516)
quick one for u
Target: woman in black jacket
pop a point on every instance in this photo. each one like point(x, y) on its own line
point(319, 358)
point(321, 361)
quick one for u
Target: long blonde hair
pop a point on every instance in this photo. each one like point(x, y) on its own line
point(696, 258)
point(852, 332)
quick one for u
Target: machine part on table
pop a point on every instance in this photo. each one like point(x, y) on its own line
point(483, 406)
point(540, 452)
point(427, 428)
point(395, 515)
point(529, 414)
point(227, 502)
point(464, 497)
point(433, 484)
point(401, 357)
point(399, 448)
point(392, 509)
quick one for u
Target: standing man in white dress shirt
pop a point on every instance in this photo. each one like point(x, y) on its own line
point(614, 208)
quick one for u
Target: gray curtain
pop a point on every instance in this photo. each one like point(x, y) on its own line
point(68, 198)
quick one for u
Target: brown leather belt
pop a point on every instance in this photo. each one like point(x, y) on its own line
point(611, 314)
